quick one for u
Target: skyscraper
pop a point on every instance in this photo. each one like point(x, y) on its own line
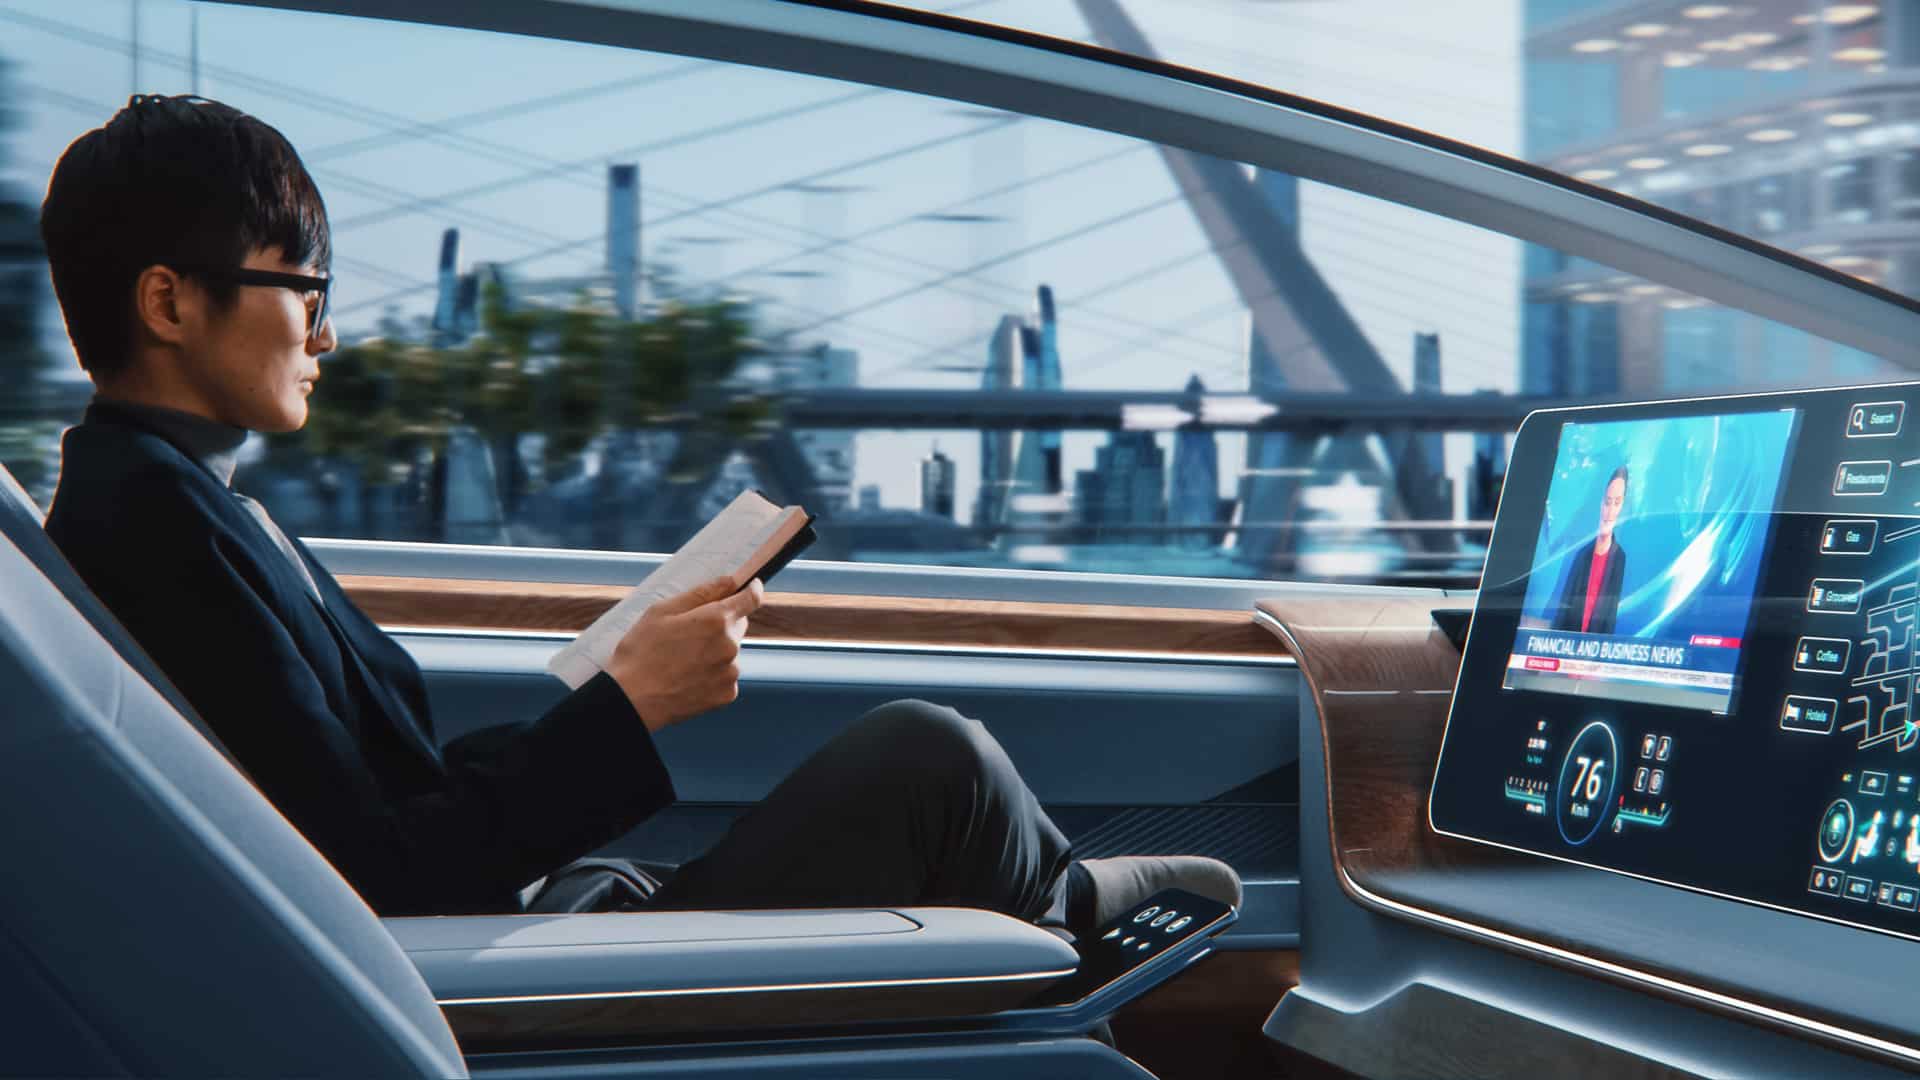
point(1423, 482)
point(623, 237)
point(1194, 501)
point(1487, 473)
point(1050, 379)
point(1126, 486)
point(936, 484)
point(997, 447)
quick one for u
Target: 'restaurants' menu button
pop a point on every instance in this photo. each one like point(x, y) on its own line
point(1862, 477)
point(1875, 419)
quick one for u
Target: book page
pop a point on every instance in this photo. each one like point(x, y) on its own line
point(727, 546)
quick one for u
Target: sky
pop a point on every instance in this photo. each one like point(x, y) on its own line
point(898, 225)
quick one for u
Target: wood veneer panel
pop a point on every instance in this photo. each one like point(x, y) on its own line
point(1381, 674)
point(1205, 1024)
point(548, 606)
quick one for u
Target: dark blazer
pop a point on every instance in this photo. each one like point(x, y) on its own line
point(328, 714)
point(1572, 602)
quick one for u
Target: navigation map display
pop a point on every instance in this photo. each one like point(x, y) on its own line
point(1649, 551)
point(1696, 649)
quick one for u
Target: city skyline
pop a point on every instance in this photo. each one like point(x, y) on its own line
point(1178, 322)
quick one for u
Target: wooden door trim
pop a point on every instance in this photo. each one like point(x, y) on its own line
point(559, 607)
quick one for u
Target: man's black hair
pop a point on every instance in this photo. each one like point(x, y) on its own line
point(1619, 474)
point(169, 179)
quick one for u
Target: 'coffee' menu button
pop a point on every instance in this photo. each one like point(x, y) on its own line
point(1862, 477)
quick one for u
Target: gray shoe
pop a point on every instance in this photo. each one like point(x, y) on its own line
point(1123, 881)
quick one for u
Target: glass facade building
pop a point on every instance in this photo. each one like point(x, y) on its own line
point(1796, 123)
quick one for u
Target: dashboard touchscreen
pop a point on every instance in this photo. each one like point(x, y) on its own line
point(1695, 651)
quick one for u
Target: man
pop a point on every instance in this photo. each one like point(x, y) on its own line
point(189, 250)
point(1589, 596)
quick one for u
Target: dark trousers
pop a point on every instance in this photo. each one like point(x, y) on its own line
point(912, 804)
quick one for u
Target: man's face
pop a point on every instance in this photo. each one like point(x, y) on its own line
point(252, 362)
point(1611, 504)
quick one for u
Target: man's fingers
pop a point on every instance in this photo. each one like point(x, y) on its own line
point(704, 593)
point(746, 601)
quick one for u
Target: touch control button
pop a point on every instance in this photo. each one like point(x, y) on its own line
point(1813, 715)
point(1835, 596)
point(1873, 783)
point(1848, 536)
point(1822, 655)
point(1111, 934)
point(1875, 419)
point(1862, 477)
point(1665, 749)
point(1905, 897)
point(1179, 924)
point(1164, 918)
point(1147, 913)
point(1836, 831)
point(1826, 881)
point(1859, 888)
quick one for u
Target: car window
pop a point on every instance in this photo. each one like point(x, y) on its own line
point(585, 302)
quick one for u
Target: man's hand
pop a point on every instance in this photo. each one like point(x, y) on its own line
point(682, 658)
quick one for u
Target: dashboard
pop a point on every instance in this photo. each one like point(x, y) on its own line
point(1693, 656)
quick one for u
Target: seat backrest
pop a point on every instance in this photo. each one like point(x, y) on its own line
point(159, 916)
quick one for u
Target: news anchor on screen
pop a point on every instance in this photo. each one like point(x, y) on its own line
point(1589, 596)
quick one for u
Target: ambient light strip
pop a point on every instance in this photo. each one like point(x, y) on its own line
point(770, 988)
point(906, 647)
point(1727, 1002)
point(1566, 957)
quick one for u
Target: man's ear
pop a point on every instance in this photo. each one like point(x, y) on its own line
point(160, 303)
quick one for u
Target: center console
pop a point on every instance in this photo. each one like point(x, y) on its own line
point(1693, 657)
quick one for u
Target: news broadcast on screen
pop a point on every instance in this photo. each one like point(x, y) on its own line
point(1650, 547)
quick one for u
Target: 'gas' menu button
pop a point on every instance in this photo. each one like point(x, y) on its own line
point(1847, 536)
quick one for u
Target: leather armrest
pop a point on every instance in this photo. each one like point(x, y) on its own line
point(519, 980)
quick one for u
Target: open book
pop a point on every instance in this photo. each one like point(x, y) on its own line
point(751, 538)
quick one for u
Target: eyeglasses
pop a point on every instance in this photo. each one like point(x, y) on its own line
point(317, 292)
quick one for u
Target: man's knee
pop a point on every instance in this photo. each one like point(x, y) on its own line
point(935, 738)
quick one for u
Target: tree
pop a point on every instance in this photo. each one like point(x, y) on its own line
point(572, 375)
point(25, 429)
